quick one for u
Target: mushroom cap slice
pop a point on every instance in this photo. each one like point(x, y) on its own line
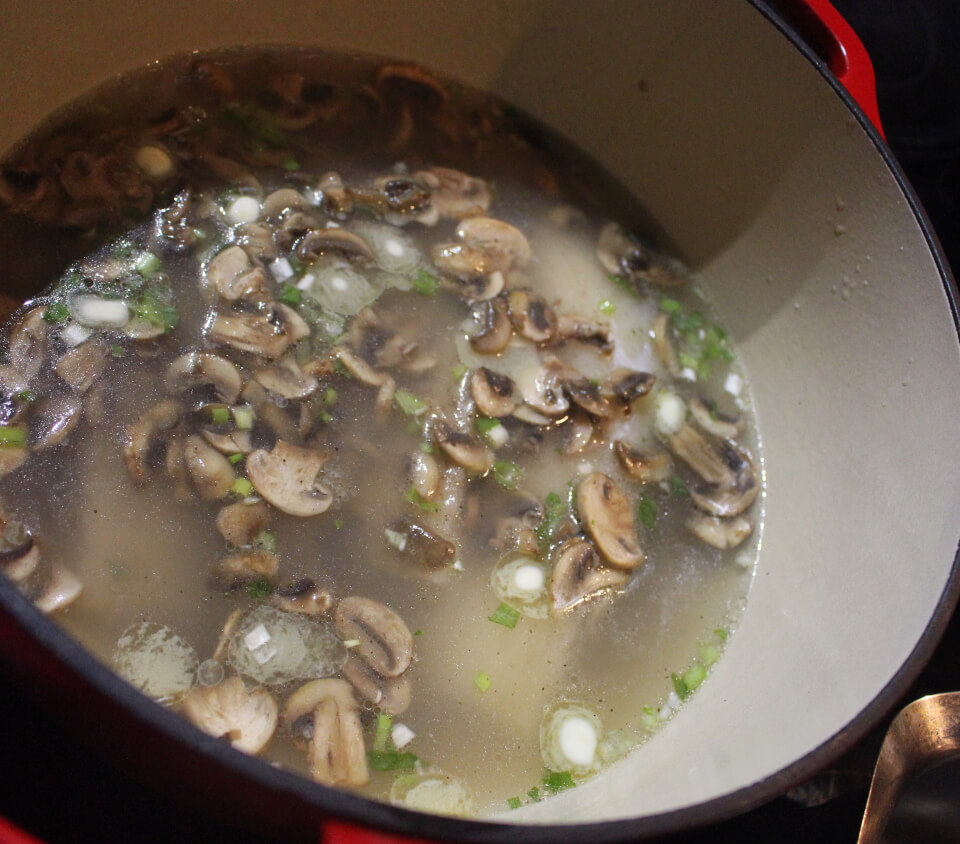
point(456, 194)
point(579, 573)
point(607, 516)
point(195, 369)
point(239, 523)
point(144, 434)
point(626, 385)
point(388, 694)
point(646, 468)
point(531, 316)
point(12, 457)
point(286, 379)
point(712, 421)
point(720, 533)
point(247, 565)
point(228, 710)
point(212, 474)
point(287, 478)
point(421, 544)
point(233, 275)
point(268, 334)
point(584, 330)
point(81, 366)
point(53, 419)
point(336, 752)
point(505, 244)
point(62, 588)
point(340, 241)
point(495, 328)
point(730, 483)
point(493, 392)
point(386, 644)
point(465, 450)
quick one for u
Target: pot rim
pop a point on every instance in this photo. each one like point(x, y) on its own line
point(352, 808)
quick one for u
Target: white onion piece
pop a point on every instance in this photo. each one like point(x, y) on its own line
point(392, 249)
point(244, 209)
point(671, 413)
point(523, 583)
point(569, 737)
point(94, 311)
point(156, 660)
point(437, 793)
point(343, 290)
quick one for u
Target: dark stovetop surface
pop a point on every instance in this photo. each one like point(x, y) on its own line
point(62, 791)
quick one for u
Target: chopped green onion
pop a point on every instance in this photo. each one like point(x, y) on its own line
point(416, 498)
point(290, 164)
point(384, 723)
point(694, 676)
point(13, 436)
point(507, 474)
point(220, 415)
point(650, 718)
point(330, 395)
point(289, 295)
point(459, 371)
point(26, 396)
point(534, 794)
point(265, 540)
point(426, 448)
point(391, 760)
point(409, 403)
point(147, 264)
point(721, 634)
point(123, 248)
point(670, 306)
point(514, 802)
point(485, 423)
point(647, 510)
point(235, 458)
point(57, 312)
point(241, 487)
point(338, 523)
point(679, 686)
point(426, 284)
point(259, 588)
point(482, 681)
point(324, 417)
point(553, 514)
point(243, 417)
point(555, 781)
point(117, 350)
point(624, 283)
point(678, 488)
point(607, 307)
point(417, 632)
point(505, 615)
point(709, 653)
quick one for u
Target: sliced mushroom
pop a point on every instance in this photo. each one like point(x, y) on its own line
point(424, 474)
point(248, 719)
point(282, 200)
point(579, 573)
point(545, 395)
point(29, 343)
point(531, 316)
point(12, 457)
point(586, 394)
point(622, 254)
point(628, 385)
point(733, 498)
point(286, 379)
point(359, 368)
point(62, 588)
point(409, 81)
point(466, 263)
point(287, 478)
point(232, 275)
point(257, 240)
point(211, 473)
point(303, 597)
point(202, 369)
point(269, 334)
point(646, 468)
point(386, 644)
point(388, 694)
point(584, 330)
point(239, 523)
point(420, 544)
point(578, 432)
point(506, 245)
point(664, 345)
point(493, 392)
point(456, 195)
point(81, 366)
point(607, 517)
point(326, 714)
point(720, 533)
point(144, 438)
point(175, 463)
point(464, 450)
point(338, 241)
point(229, 442)
point(53, 419)
point(694, 449)
point(242, 567)
point(494, 327)
point(713, 421)
point(19, 553)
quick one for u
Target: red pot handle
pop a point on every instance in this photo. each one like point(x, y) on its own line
point(833, 39)
point(338, 832)
point(10, 834)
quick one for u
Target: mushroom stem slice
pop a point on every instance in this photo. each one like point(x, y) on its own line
point(713, 422)
point(287, 478)
point(579, 574)
point(144, 434)
point(607, 517)
point(465, 450)
point(386, 644)
point(212, 474)
point(388, 694)
point(239, 523)
point(198, 369)
point(646, 468)
point(247, 719)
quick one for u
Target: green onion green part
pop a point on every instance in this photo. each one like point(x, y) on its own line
point(482, 681)
point(416, 498)
point(13, 436)
point(426, 284)
point(57, 312)
point(507, 474)
point(409, 403)
point(241, 487)
point(290, 295)
point(382, 736)
point(555, 781)
point(505, 615)
point(647, 508)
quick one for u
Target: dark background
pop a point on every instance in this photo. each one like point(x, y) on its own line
point(62, 791)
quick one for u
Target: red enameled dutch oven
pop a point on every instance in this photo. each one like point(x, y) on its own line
point(779, 191)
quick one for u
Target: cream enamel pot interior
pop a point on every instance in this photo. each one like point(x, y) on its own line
point(796, 220)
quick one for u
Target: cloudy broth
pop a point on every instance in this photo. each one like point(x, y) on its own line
point(618, 381)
